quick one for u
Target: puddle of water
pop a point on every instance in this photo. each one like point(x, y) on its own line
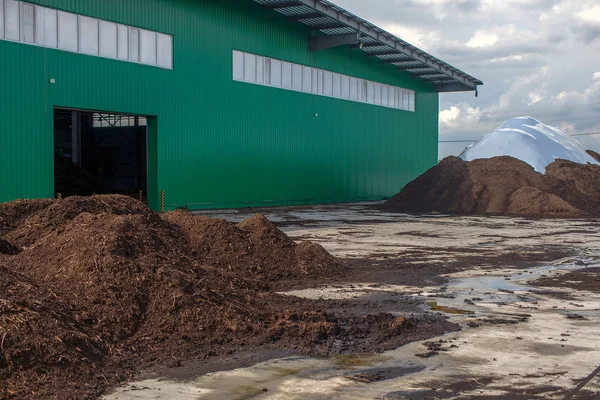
point(547, 350)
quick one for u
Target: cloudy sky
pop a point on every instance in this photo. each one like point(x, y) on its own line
point(536, 57)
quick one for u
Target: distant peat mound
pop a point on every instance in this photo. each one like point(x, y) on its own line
point(503, 186)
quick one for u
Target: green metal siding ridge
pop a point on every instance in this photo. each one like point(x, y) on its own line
point(218, 142)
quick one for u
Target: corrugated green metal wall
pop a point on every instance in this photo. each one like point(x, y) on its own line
point(220, 143)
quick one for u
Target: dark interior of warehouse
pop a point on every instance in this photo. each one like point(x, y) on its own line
point(99, 153)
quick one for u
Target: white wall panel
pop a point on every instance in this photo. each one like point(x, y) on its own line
point(148, 47)
point(260, 69)
point(50, 28)
point(1, 19)
point(123, 42)
point(165, 50)
point(249, 67)
point(88, 35)
point(12, 20)
point(134, 44)
point(268, 71)
point(328, 83)
point(67, 31)
point(40, 29)
point(354, 89)
point(108, 39)
point(337, 85)
point(238, 65)
point(286, 75)
point(297, 77)
point(276, 73)
point(306, 79)
point(345, 87)
point(384, 95)
point(27, 23)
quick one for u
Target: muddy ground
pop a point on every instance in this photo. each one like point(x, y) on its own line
point(523, 292)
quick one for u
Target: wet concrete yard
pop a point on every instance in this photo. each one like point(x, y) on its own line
point(518, 339)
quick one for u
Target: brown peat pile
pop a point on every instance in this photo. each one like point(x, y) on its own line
point(503, 186)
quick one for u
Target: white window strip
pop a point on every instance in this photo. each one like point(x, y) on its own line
point(42, 26)
point(1, 19)
point(261, 70)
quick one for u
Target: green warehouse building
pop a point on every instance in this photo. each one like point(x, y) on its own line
point(214, 103)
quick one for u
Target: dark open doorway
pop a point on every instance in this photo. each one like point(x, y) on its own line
point(99, 153)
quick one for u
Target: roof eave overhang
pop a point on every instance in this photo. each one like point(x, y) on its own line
point(392, 50)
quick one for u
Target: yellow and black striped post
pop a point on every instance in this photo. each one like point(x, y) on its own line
point(162, 201)
point(141, 196)
point(58, 196)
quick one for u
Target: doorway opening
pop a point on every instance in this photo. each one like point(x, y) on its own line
point(100, 153)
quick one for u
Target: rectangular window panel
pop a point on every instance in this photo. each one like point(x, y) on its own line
point(267, 71)
point(50, 28)
point(354, 89)
point(321, 83)
point(411, 99)
point(337, 85)
point(123, 42)
point(39, 25)
point(67, 31)
point(276, 73)
point(315, 80)
point(108, 39)
point(286, 75)
point(1, 19)
point(405, 99)
point(11, 20)
point(238, 66)
point(148, 47)
point(328, 83)
point(397, 101)
point(391, 96)
point(370, 92)
point(260, 69)
point(384, 95)
point(377, 93)
point(306, 79)
point(297, 77)
point(88, 35)
point(249, 68)
point(28, 23)
point(345, 87)
point(134, 44)
point(164, 47)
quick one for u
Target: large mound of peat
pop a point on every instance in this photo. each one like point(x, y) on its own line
point(93, 290)
point(254, 248)
point(503, 186)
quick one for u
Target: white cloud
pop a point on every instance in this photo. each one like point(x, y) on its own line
point(483, 39)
